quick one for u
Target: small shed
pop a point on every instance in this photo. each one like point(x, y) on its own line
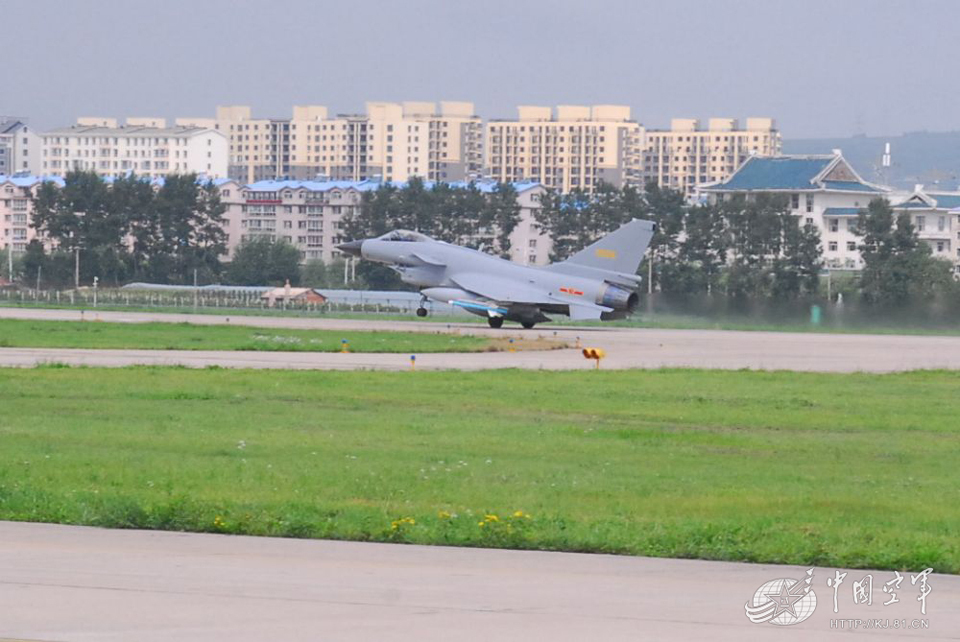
point(287, 294)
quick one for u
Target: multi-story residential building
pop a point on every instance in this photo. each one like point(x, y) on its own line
point(687, 155)
point(936, 219)
point(393, 141)
point(143, 146)
point(19, 147)
point(578, 148)
point(16, 210)
point(824, 191)
point(308, 214)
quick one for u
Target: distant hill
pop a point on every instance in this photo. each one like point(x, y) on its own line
point(930, 158)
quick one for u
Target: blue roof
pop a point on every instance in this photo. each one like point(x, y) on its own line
point(843, 211)
point(947, 201)
point(21, 180)
point(485, 186)
point(850, 186)
point(777, 173)
point(790, 173)
point(944, 202)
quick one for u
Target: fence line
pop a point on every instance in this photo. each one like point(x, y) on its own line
point(89, 298)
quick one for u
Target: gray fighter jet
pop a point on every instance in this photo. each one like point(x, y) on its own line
point(598, 282)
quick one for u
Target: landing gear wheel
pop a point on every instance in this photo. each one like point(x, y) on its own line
point(421, 312)
point(495, 322)
point(527, 325)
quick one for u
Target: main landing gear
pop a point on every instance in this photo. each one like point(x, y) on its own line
point(527, 325)
point(495, 322)
point(422, 311)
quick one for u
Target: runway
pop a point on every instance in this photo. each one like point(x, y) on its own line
point(72, 583)
point(625, 348)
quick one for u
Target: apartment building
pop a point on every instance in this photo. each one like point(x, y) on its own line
point(19, 147)
point(823, 190)
point(392, 141)
point(687, 155)
point(936, 219)
point(308, 214)
point(142, 146)
point(576, 148)
point(16, 210)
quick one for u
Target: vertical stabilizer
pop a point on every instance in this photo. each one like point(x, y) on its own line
point(619, 251)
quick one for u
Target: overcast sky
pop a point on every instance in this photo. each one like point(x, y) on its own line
point(821, 68)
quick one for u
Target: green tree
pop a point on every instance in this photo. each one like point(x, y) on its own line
point(81, 215)
point(796, 270)
point(576, 219)
point(898, 267)
point(701, 254)
point(263, 261)
point(176, 230)
point(666, 208)
point(754, 238)
point(499, 217)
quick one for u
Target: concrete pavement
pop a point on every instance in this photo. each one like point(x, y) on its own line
point(625, 347)
point(76, 583)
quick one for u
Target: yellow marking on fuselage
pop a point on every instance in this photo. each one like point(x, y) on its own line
point(607, 254)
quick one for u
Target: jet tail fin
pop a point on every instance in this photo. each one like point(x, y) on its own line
point(619, 251)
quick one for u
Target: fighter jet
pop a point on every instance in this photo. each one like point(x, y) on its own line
point(598, 282)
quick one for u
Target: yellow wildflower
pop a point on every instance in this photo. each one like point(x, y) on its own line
point(443, 514)
point(492, 518)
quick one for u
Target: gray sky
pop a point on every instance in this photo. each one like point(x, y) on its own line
point(822, 68)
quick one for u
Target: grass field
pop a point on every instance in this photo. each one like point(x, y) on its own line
point(18, 333)
point(848, 470)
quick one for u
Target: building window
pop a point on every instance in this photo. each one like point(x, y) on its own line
point(809, 202)
point(795, 201)
point(832, 246)
point(851, 246)
point(939, 246)
point(834, 225)
point(921, 223)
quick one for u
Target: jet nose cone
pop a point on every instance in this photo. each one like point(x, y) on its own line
point(351, 247)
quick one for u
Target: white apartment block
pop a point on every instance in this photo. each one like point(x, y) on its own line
point(308, 215)
point(19, 147)
point(143, 146)
point(392, 141)
point(578, 148)
point(821, 190)
point(936, 219)
point(16, 210)
point(687, 155)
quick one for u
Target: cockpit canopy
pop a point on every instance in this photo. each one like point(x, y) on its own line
point(404, 235)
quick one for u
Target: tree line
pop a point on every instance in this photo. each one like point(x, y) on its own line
point(750, 248)
point(740, 248)
point(128, 230)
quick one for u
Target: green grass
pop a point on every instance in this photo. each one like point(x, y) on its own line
point(847, 470)
point(639, 320)
point(18, 333)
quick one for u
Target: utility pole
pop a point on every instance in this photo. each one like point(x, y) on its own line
point(10, 261)
point(76, 269)
point(39, 268)
point(650, 274)
point(195, 291)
